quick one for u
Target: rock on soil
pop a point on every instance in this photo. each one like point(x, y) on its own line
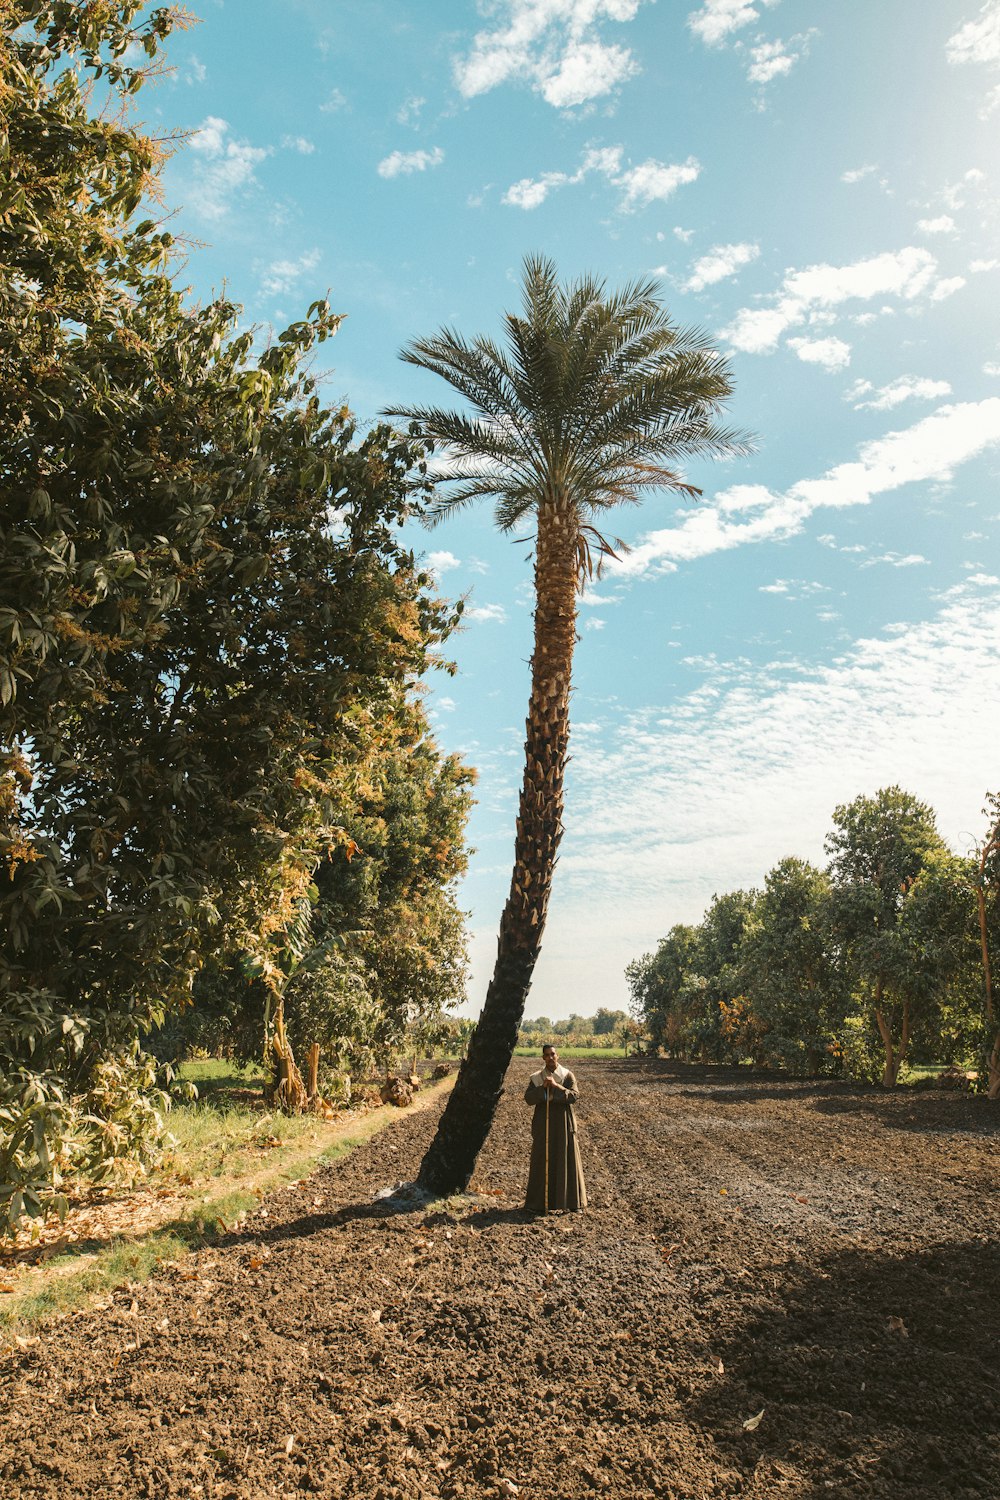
point(824, 1255)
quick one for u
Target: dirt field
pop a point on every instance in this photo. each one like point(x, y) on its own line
point(824, 1255)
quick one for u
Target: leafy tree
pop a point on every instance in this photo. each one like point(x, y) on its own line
point(790, 973)
point(594, 396)
point(721, 965)
point(607, 1022)
point(877, 850)
point(205, 611)
point(387, 924)
point(661, 994)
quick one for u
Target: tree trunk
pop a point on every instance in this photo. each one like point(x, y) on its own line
point(287, 1090)
point(468, 1115)
point(893, 1058)
point(312, 1070)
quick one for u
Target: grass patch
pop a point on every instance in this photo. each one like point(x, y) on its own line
point(228, 1154)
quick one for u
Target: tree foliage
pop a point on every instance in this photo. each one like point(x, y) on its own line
point(206, 615)
point(860, 966)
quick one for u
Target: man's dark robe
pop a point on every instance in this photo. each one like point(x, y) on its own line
point(566, 1187)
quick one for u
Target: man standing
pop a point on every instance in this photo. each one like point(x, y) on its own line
point(555, 1176)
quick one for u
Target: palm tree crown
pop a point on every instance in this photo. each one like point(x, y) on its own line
point(593, 401)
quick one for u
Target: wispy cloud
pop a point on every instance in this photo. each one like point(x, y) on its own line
point(674, 804)
point(640, 185)
point(978, 41)
point(897, 560)
point(493, 612)
point(298, 143)
point(929, 451)
point(557, 47)
point(858, 174)
point(721, 262)
point(223, 168)
point(717, 20)
point(408, 112)
point(943, 224)
point(281, 275)
point(907, 274)
point(865, 397)
point(770, 60)
point(402, 163)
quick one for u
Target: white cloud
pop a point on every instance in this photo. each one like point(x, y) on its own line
point(858, 174)
point(409, 111)
point(399, 163)
point(440, 562)
point(223, 167)
point(298, 143)
point(555, 46)
point(978, 266)
point(943, 224)
point(906, 273)
point(195, 72)
point(587, 70)
point(718, 19)
point(720, 262)
point(486, 612)
point(947, 288)
point(991, 367)
point(929, 451)
point(770, 60)
point(684, 235)
point(640, 185)
point(281, 275)
point(832, 353)
point(655, 180)
point(897, 560)
point(335, 100)
point(594, 624)
point(904, 388)
point(977, 41)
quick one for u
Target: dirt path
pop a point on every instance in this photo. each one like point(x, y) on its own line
point(828, 1256)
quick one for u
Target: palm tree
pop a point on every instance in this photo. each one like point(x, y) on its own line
point(592, 394)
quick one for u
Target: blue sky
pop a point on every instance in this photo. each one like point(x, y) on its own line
point(816, 183)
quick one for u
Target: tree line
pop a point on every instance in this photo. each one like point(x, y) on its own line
point(881, 957)
point(220, 803)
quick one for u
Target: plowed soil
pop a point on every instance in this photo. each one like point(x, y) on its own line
point(823, 1258)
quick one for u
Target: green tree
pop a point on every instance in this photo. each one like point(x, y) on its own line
point(194, 663)
point(593, 401)
point(607, 1022)
point(878, 848)
point(722, 966)
point(790, 974)
point(660, 996)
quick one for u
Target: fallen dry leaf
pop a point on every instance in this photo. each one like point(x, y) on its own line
point(896, 1325)
point(752, 1423)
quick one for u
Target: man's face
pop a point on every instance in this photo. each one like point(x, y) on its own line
point(550, 1057)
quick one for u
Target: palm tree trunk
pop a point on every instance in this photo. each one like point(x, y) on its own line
point(468, 1115)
